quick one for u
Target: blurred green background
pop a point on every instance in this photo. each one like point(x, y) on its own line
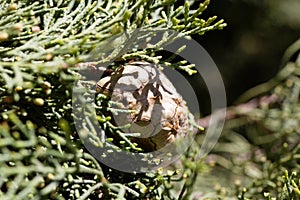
point(249, 50)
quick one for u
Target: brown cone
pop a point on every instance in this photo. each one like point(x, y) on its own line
point(160, 115)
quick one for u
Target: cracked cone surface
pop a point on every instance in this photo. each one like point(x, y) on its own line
point(159, 113)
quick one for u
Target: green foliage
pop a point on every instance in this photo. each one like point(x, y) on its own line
point(259, 149)
point(278, 126)
point(41, 155)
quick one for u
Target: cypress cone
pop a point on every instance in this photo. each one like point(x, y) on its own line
point(159, 114)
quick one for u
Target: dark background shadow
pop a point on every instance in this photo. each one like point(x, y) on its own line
point(249, 50)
